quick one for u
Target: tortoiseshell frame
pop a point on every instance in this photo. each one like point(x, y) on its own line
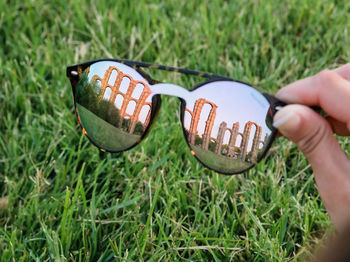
point(275, 103)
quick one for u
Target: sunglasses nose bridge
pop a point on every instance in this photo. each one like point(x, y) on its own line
point(170, 89)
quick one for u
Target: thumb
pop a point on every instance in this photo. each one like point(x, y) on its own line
point(314, 137)
point(311, 133)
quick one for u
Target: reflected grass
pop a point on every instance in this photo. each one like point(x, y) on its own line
point(104, 134)
point(219, 162)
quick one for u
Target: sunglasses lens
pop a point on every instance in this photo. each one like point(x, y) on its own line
point(227, 125)
point(113, 102)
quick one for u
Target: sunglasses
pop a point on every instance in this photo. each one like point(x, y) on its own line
point(227, 123)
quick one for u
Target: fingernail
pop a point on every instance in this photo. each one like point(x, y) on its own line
point(282, 119)
point(286, 120)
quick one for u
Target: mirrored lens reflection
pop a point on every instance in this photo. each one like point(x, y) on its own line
point(114, 105)
point(225, 125)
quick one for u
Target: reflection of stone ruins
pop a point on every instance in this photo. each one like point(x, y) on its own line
point(231, 149)
point(128, 97)
point(197, 109)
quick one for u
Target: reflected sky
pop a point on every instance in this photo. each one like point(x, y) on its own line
point(236, 102)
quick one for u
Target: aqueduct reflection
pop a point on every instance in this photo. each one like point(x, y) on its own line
point(216, 144)
point(128, 97)
point(111, 86)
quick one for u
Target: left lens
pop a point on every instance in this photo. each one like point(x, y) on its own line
point(226, 125)
point(114, 105)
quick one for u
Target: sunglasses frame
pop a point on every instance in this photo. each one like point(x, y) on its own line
point(73, 73)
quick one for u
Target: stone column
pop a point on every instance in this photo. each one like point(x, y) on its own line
point(233, 138)
point(245, 140)
point(220, 137)
point(104, 80)
point(148, 117)
point(116, 86)
point(139, 104)
point(197, 109)
point(256, 142)
point(209, 125)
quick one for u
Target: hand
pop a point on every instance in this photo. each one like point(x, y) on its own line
point(314, 134)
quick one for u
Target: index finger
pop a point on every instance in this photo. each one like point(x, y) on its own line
point(328, 89)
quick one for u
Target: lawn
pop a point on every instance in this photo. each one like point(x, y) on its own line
point(219, 162)
point(103, 133)
point(62, 199)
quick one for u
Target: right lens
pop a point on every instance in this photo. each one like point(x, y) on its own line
point(114, 105)
point(226, 124)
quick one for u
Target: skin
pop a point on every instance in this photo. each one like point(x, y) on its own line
point(314, 134)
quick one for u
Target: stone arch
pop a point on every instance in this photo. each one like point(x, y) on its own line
point(112, 77)
point(98, 83)
point(119, 101)
point(125, 84)
point(263, 142)
point(245, 140)
point(127, 95)
point(138, 91)
point(104, 81)
point(146, 113)
point(227, 134)
point(107, 93)
point(253, 130)
point(187, 118)
point(197, 109)
point(131, 107)
point(203, 116)
point(240, 135)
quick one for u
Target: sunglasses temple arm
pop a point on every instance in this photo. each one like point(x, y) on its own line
point(148, 77)
point(277, 104)
point(172, 69)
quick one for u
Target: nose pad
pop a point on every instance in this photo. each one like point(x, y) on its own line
point(170, 90)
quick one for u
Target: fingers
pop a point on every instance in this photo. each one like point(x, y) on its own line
point(313, 134)
point(314, 137)
point(327, 89)
point(310, 131)
point(338, 127)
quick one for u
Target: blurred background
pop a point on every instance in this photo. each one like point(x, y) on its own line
point(61, 199)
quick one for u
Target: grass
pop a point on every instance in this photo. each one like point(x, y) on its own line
point(219, 162)
point(61, 199)
point(104, 134)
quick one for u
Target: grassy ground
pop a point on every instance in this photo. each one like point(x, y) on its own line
point(62, 200)
point(219, 162)
point(103, 133)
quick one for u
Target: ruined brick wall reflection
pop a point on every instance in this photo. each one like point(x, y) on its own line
point(243, 148)
point(127, 97)
point(233, 151)
point(195, 115)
